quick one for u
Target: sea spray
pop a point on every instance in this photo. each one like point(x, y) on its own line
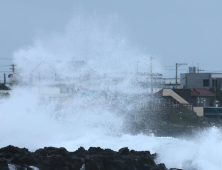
point(95, 71)
point(100, 71)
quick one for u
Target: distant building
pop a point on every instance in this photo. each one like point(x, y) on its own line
point(4, 90)
point(198, 97)
point(56, 90)
point(200, 80)
point(194, 99)
point(4, 87)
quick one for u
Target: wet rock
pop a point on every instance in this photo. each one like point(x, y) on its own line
point(3, 164)
point(124, 151)
point(50, 158)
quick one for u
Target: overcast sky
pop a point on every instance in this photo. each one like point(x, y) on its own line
point(177, 31)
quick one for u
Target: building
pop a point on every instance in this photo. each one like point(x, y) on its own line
point(55, 90)
point(4, 90)
point(198, 97)
point(193, 99)
point(200, 80)
point(171, 83)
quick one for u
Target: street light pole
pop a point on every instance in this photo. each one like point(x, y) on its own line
point(176, 76)
point(151, 75)
point(4, 79)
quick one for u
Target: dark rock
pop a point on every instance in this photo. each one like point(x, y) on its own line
point(3, 164)
point(90, 164)
point(50, 158)
point(81, 152)
point(124, 151)
point(94, 150)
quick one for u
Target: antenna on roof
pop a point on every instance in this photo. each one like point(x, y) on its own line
point(198, 69)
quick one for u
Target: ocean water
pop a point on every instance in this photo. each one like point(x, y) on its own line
point(102, 90)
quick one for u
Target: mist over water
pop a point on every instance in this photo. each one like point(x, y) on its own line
point(99, 71)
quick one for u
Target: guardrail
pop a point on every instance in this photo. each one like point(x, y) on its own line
point(180, 105)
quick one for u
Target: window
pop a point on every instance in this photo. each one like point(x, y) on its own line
point(198, 100)
point(205, 82)
point(201, 100)
point(204, 101)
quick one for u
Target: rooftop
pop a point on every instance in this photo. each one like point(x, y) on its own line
point(201, 92)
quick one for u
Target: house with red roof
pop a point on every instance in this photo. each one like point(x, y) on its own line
point(194, 99)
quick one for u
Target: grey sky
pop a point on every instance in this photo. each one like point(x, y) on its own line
point(187, 31)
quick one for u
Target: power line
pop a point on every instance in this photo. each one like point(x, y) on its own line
point(5, 58)
point(215, 71)
point(169, 66)
point(4, 66)
point(174, 69)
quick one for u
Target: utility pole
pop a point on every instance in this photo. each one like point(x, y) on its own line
point(177, 65)
point(13, 68)
point(137, 67)
point(4, 78)
point(151, 74)
point(176, 76)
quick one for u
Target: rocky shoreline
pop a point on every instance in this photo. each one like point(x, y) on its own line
point(51, 158)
